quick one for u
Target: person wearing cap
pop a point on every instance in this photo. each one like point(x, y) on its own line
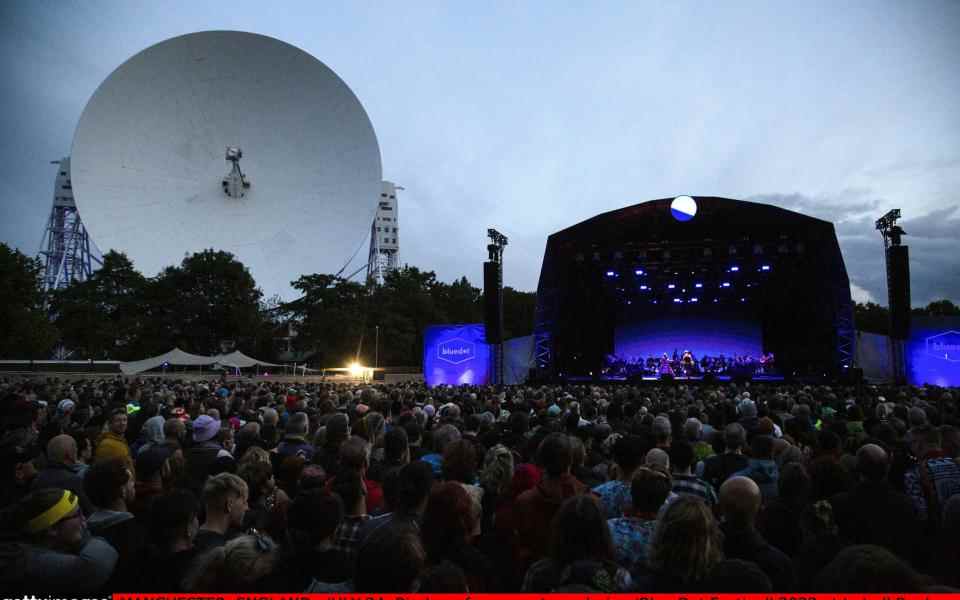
point(55, 553)
point(113, 442)
point(204, 454)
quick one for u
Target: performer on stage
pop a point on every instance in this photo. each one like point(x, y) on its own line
point(687, 363)
point(665, 368)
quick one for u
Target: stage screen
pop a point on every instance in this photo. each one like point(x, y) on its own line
point(642, 333)
point(933, 351)
point(455, 355)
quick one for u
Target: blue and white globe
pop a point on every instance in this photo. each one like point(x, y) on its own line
point(683, 208)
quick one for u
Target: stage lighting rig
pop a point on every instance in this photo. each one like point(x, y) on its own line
point(493, 299)
point(898, 290)
point(497, 243)
point(887, 225)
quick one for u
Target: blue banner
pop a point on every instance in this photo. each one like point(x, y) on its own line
point(455, 355)
point(933, 351)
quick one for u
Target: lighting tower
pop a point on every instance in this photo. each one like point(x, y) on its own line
point(384, 236)
point(898, 290)
point(66, 250)
point(493, 299)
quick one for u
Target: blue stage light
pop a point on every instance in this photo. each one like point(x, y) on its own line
point(611, 274)
point(694, 299)
point(715, 300)
point(698, 285)
point(678, 300)
point(743, 299)
point(734, 269)
point(671, 286)
point(765, 268)
point(725, 284)
point(638, 272)
point(643, 287)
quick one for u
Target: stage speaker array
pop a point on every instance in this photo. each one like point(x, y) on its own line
point(898, 291)
point(493, 301)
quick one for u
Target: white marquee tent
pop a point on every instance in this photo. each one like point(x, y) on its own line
point(179, 358)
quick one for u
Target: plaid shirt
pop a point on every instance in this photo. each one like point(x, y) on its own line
point(347, 538)
point(691, 485)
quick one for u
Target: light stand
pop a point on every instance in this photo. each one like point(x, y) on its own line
point(493, 299)
point(897, 258)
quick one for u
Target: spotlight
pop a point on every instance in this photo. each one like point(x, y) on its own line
point(765, 268)
point(678, 300)
point(643, 287)
point(734, 269)
point(611, 274)
point(694, 299)
point(698, 285)
point(638, 272)
point(743, 299)
point(715, 300)
point(725, 284)
point(671, 286)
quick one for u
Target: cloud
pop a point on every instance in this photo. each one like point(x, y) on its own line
point(860, 294)
point(932, 237)
point(914, 167)
point(839, 207)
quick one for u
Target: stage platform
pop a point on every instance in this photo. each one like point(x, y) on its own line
point(655, 378)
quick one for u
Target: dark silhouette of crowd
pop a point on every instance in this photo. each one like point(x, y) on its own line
point(164, 485)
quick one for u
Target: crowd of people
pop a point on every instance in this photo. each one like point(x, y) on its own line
point(166, 485)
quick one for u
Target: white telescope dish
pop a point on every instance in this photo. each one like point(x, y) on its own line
point(232, 141)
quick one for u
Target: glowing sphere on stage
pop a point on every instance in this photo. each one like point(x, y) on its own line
point(683, 208)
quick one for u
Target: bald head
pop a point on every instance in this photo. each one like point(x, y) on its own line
point(872, 462)
point(740, 500)
point(62, 449)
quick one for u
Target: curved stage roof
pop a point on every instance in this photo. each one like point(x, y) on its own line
point(789, 265)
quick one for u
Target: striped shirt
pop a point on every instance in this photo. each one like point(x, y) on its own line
point(691, 485)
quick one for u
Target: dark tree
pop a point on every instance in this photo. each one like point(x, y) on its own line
point(209, 299)
point(871, 318)
point(101, 318)
point(25, 329)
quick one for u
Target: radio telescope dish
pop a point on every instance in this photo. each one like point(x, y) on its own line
point(233, 141)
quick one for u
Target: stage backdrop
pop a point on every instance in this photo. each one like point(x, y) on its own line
point(933, 351)
point(455, 355)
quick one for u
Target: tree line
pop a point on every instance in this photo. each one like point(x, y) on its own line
point(211, 303)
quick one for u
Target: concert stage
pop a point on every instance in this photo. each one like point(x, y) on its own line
point(680, 379)
point(728, 281)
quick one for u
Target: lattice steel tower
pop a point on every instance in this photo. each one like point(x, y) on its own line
point(384, 236)
point(68, 254)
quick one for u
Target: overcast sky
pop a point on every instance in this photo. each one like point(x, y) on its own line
point(532, 116)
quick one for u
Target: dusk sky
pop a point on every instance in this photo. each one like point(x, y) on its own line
point(533, 116)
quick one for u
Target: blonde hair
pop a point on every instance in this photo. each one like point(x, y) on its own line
point(254, 454)
point(497, 472)
point(687, 542)
point(237, 564)
point(218, 487)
